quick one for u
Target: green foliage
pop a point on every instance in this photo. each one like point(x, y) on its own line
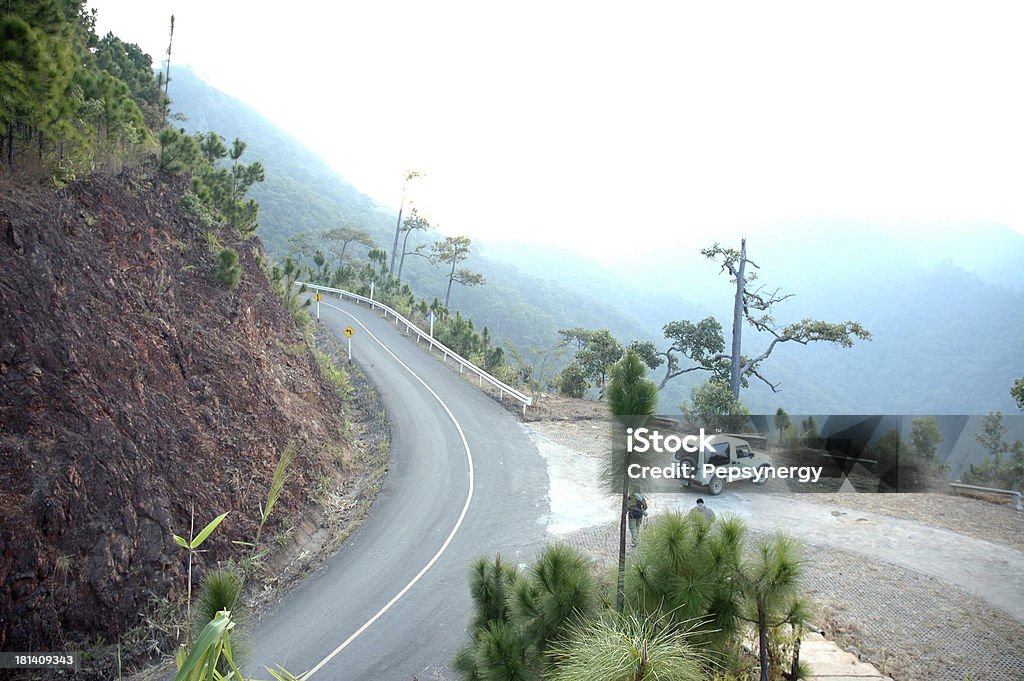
point(632, 400)
point(687, 570)
point(517, 617)
point(1017, 393)
point(700, 343)
point(770, 579)
point(925, 438)
point(501, 654)
point(703, 344)
point(889, 448)
point(414, 222)
point(693, 588)
point(336, 241)
point(1003, 465)
point(38, 42)
point(557, 591)
point(782, 422)
point(229, 272)
point(459, 335)
point(192, 545)
point(809, 436)
point(195, 207)
point(629, 648)
point(713, 407)
point(212, 652)
point(179, 152)
point(219, 590)
point(490, 586)
point(224, 188)
point(647, 352)
point(282, 278)
point(572, 382)
point(453, 250)
point(129, 64)
point(596, 352)
point(336, 376)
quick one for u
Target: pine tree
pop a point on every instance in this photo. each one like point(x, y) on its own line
point(632, 400)
point(453, 250)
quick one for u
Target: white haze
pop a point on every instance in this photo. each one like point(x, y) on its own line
point(577, 124)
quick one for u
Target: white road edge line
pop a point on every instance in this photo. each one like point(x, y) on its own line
point(451, 535)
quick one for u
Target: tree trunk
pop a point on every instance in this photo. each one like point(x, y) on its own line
point(398, 229)
point(451, 278)
point(794, 670)
point(401, 261)
point(737, 321)
point(762, 637)
point(620, 588)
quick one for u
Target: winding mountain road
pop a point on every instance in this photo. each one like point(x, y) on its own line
point(464, 481)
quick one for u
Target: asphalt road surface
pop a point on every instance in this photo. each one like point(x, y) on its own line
point(464, 481)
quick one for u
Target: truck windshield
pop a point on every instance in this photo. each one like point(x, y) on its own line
point(721, 448)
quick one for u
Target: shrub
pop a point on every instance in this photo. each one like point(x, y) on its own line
point(628, 649)
point(229, 272)
point(714, 408)
point(336, 376)
point(572, 382)
point(219, 590)
point(925, 437)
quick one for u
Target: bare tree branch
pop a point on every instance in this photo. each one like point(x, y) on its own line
point(773, 386)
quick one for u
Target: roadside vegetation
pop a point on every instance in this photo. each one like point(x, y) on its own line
point(701, 600)
point(681, 606)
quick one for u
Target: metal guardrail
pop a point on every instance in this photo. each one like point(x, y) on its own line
point(990, 490)
point(464, 364)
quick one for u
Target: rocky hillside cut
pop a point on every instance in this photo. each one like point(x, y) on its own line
point(132, 387)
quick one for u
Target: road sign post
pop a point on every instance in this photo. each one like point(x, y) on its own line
point(318, 299)
point(349, 332)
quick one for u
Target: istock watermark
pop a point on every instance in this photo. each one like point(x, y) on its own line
point(760, 474)
point(703, 458)
point(820, 453)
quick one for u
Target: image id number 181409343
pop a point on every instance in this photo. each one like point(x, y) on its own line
point(38, 660)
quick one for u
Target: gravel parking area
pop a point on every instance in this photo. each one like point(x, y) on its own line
point(908, 624)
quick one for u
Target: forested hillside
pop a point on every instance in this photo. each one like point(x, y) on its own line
point(303, 194)
point(928, 353)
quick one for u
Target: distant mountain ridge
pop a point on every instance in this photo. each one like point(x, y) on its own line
point(946, 339)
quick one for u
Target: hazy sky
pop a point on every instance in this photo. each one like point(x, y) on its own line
point(565, 121)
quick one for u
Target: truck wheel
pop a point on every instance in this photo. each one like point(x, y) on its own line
point(684, 465)
point(715, 486)
point(762, 470)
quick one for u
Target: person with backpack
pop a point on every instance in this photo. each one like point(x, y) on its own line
point(635, 512)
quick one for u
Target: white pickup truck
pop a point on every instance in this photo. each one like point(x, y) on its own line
point(730, 458)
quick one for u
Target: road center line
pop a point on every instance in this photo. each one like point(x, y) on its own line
point(451, 535)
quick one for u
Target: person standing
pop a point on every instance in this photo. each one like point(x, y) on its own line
point(708, 513)
point(636, 511)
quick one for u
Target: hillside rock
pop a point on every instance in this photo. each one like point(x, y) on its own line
point(132, 387)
